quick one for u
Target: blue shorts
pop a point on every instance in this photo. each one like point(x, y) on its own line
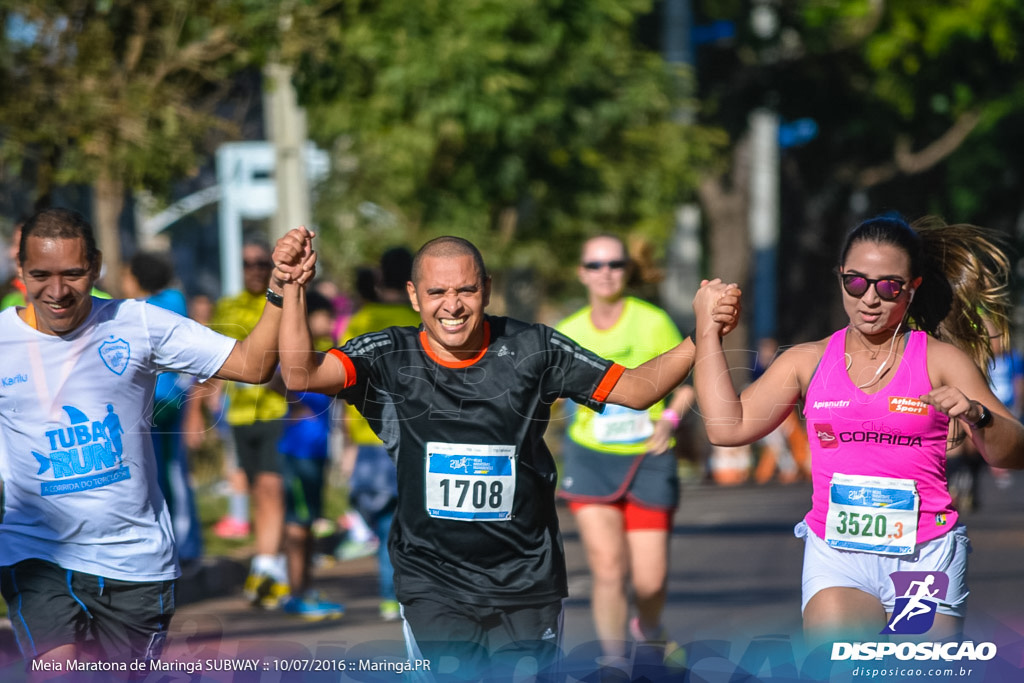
point(373, 486)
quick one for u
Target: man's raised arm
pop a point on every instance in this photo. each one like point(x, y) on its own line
point(255, 358)
point(302, 367)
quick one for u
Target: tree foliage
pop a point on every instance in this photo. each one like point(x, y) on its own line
point(521, 124)
point(123, 95)
point(900, 88)
point(918, 105)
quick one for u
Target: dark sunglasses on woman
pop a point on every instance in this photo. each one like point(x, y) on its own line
point(887, 288)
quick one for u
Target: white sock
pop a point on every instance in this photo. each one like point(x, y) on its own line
point(358, 531)
point(238, 506)
point(265, 565)
point(280, 573)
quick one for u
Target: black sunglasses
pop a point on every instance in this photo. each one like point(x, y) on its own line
point(887, 289)
point(257, 264)
point(618, 264)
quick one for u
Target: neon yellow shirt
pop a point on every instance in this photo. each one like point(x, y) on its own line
point(373, 317)
point(16, 298)
point(236, 317)
point(641, 333)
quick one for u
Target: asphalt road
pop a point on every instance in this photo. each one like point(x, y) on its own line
point(734, 596)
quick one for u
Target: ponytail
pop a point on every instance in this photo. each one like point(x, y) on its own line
point(966, 285)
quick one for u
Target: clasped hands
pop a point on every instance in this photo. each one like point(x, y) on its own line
point(717, 307)
point(294, 258)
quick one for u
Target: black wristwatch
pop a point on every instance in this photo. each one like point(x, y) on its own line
point(274, 298)
point(985, 420)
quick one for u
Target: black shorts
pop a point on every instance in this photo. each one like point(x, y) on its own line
point(303, 489)
point(256, 448)
point(113, 620)
point(464, 641)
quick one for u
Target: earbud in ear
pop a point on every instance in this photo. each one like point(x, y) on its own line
point(910, 292)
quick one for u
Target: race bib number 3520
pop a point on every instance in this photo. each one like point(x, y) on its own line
point(470, 482)
point(872, 514)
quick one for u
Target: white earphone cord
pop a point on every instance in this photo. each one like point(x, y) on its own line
point(878, 372)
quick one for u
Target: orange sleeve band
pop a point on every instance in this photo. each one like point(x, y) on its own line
point(608, 382)
point(346, 362)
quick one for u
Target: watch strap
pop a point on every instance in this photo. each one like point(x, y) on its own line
point(274, 298)
point(985, 420)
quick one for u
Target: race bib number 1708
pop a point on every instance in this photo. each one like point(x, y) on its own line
point(470, 482)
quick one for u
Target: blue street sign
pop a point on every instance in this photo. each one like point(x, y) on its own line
point(713, 32)
point(796, 133)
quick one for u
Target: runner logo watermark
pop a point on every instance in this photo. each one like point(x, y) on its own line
point(918, 595)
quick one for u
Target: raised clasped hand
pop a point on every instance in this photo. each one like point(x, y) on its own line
point(717, 304)
point(294, 258)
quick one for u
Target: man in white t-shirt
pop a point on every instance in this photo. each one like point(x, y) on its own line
point(87, 556)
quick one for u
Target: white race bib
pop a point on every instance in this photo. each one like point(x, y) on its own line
point(622, 425)
point(872, 514)
point(470, 482)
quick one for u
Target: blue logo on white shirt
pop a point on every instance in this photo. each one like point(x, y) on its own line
point(20, 378)
point(115, 355)
point(83, 456)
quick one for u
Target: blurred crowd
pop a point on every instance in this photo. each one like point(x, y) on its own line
point(279, 452)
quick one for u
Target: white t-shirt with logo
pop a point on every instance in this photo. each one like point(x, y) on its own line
point(80, 480)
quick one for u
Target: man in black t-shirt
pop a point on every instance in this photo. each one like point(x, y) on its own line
point(461, 403)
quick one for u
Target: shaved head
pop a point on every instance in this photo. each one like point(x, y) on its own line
point(448, 247)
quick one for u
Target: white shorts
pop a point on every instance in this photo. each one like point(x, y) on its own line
point(828, 567)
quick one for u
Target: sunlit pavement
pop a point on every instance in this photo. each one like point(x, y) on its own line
point(734, 586)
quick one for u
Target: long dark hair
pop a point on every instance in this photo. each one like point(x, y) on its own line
point(965, 279)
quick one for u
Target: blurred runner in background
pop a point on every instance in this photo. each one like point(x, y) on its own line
point(619, 472)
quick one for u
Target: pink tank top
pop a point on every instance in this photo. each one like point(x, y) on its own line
point(886, 434)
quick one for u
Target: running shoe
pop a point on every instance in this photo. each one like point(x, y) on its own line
point(390, 610)
point(351, 550)
point(312, 607)
point(263, 591)
point(229, 527)
point(674, 656)
point(323, 561)
point(253, 586)
point(1003, 477)
point(322, 528)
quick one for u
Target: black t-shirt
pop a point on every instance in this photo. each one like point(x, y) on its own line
point(465, 436)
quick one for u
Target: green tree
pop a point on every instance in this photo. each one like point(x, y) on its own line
point(918, 104)
point(522, 125)
point(122, 95)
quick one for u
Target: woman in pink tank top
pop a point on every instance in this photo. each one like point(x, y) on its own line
point(882, 397)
